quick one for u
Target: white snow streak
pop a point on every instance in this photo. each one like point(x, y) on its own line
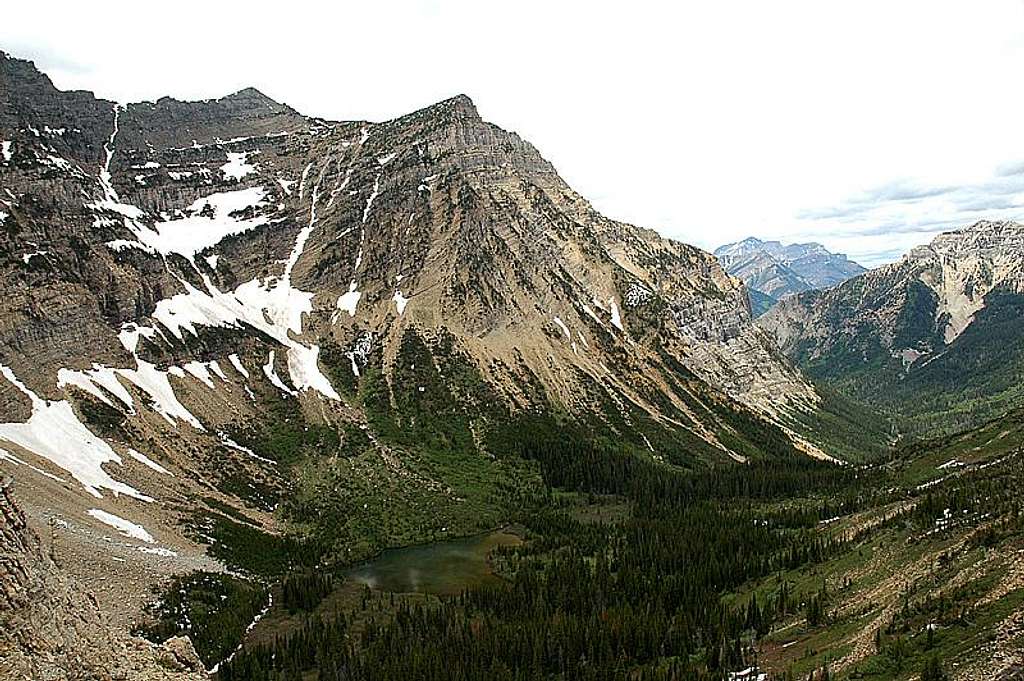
point(147, 462)
point(616, 319)
point(271, 374)
point(92, 380)
point(125, 527)
point(7, 456)
point(564, 328)
point(200, 371)
point(237, 363)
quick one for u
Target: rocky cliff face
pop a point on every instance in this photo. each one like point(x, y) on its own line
point(773, 270)
point(941, 321)
point(52, 628)
point(211, 305)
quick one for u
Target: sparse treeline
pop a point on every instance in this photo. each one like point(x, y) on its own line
point(638, 598)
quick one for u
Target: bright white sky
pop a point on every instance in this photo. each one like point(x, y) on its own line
point(868, 126)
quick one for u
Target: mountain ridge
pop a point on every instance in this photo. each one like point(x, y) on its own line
point(913, 325)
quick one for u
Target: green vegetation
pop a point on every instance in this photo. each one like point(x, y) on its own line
point(759, 302)
point(979, 376)
point(419, 472)
point(249, 549)
point(637, 564)
point(641, 570)
point(589, 599)
point(285, 435)
point(103, 417)
point(212, 609)
point(305, 591)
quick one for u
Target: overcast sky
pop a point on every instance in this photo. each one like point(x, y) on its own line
point(868, 126)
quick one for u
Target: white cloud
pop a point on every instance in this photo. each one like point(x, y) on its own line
point(706, 121)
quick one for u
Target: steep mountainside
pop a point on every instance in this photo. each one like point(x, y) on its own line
point(773, 271)
point(52, 628)
point(935, 338)
point(223, 319)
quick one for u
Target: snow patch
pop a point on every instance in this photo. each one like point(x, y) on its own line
point(271, 374)
point(7, 456)
point(305, 372)
point(92, 380)
point(237, 363)
point(286, 185)
point(616, 319)
point(400, 302)
point(590, 312)
point(157, 551)
point(54, 432)
point(130, 334)
point(238, 165)
point(215, 368)
point(125, 527)
point(125, 244)
point(373, 195)
point(271, 305)
point(564, 328)
point(209, 219)
point(348, 301)
point(228, 442)
point(155, 383)
point(200, 371)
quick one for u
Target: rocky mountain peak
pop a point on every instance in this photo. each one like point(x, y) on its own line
point(460, 106)
point(190, 278)
point(251, 101)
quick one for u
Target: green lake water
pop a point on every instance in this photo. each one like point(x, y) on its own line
point(441, 568)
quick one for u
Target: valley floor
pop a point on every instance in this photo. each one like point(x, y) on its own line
point(799, 569)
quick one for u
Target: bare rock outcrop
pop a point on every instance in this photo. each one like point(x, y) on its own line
point(52, 629)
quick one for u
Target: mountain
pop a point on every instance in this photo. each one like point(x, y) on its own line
point(227, 325)
point(773, 271)
point(935, 339)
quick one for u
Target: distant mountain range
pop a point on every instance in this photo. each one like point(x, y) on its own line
point(773, 270)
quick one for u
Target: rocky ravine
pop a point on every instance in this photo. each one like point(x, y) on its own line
point(176, 272)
